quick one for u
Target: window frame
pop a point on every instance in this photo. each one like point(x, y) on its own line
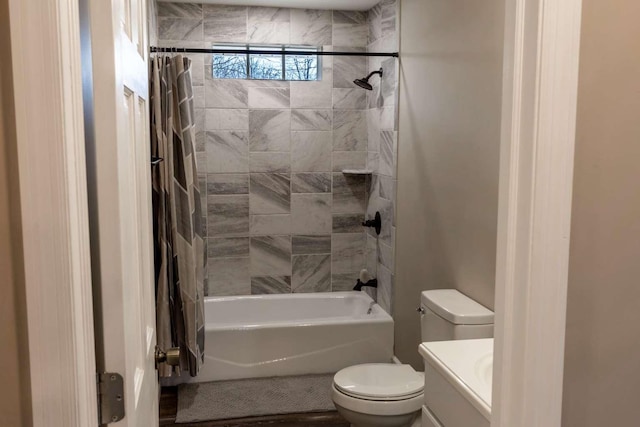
point(281, 47)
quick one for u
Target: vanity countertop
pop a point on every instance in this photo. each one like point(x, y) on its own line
point(467, 365)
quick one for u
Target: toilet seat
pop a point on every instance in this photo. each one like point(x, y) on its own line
point(380, 382)
point(376, 407)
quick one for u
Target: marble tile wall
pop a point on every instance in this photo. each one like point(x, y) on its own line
point(382, 148)
point(152, 17)
point(281, 216)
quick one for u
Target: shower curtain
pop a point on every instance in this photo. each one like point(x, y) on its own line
point(178, 237)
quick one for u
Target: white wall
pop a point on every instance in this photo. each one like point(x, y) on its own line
point(449, 136)
point(15, 394)
point(602, 356)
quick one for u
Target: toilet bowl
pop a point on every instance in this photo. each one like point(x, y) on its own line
point(389, 395)
point(378, 394)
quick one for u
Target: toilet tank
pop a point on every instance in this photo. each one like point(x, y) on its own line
point(447, 314)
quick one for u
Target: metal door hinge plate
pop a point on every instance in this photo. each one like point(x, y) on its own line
point(110, 397)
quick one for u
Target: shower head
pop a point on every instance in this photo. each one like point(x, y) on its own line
point(364, 82)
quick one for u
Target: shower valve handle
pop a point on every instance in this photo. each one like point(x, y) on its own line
point(376, 223)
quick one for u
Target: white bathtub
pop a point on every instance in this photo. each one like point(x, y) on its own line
point(291, 334)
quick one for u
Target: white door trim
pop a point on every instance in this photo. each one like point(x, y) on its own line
point(542, 43)
point(45, 46)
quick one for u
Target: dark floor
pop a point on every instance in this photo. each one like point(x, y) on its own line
point(169, 408)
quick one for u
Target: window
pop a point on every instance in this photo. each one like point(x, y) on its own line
point(266, 66)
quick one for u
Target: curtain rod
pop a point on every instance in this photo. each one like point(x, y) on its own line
point(154, 49)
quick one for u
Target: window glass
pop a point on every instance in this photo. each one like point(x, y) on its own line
point(229, 65)
point(301, 67)
point(266, 66)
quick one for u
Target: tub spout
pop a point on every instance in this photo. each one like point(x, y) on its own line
point(359, 285)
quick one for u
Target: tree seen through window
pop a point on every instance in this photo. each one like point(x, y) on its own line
point(265, 66)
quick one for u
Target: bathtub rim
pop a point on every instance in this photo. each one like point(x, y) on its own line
point(379, 315)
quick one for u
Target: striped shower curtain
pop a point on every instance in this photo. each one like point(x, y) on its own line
point(178, 241)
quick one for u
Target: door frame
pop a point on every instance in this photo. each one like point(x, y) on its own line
point(540, 92)
point(47, 81)
point(542, 41)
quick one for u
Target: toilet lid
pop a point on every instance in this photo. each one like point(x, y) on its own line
point(380, 381)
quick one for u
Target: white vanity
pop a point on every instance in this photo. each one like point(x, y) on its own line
point(458, 378)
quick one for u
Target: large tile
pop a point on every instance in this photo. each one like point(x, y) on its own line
point(269, 14)
point(373, 130)
point(371, 256)
point(200, 136)
point(268, 32)
point(349, 193)
point(311, 119)
point(281, 84)
point(261, 285)
point(220, 31)
point(350, 35)
point(374, 21)
point(388, 118)
point(349, 17)
point(387, 153)
point(228, 247)
point(225, 23)
point(349, 160)
point(227, 183)
point(198, 98)
point(311, 151)
point(387, 187)
point(388, 19)
point(311, 273)
point(386, 256)
point(227, 151)
point(227, 215)
point(314, 182)
point(269, 97)
point(224, 12)
point(311, 214)
point(311, 27)
point(348, 223)
point(202, 189)
point(270, 162)
point(181, 43)
point(312, 94)
point(197, 72)
point(350, 131)
point(349, 99)
point(229, 276)
point(269, 130)
point(270, 224)
point(225, 93)
point(373, 160)
point(180, 29)
point(305, 244)
point(270, 193)
point(388, 86)
point(271, 256)
point(374, 99)
point(227, 119)
point(347, 252)
point(179, 10)
point(385, 289)
point(348, 68)
point(341, 282)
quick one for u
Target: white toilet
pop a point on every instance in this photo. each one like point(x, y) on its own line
point(391, 395)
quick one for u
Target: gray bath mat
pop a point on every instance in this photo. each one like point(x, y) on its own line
point(222, 400)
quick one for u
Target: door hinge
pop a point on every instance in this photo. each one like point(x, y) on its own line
point(110, 397)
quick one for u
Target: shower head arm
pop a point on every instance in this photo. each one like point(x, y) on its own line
point(372, 73)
